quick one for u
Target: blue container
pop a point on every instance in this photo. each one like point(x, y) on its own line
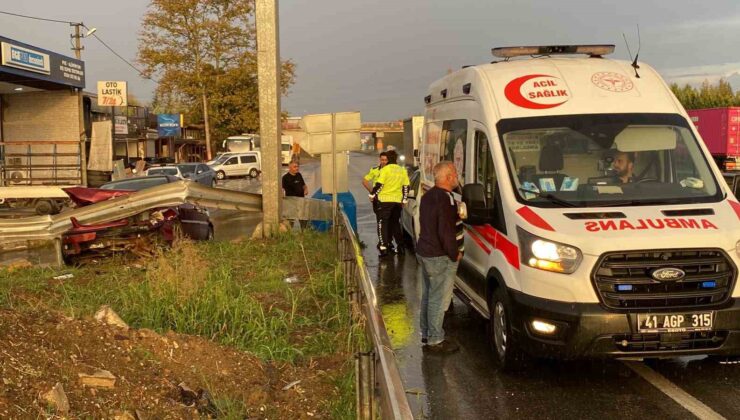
point(347, 203)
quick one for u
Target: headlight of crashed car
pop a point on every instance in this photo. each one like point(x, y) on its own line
point(548, 255)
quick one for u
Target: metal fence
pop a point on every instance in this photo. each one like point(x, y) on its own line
point(380, 392)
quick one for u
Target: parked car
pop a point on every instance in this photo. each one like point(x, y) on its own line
point(410, 212)
point(239, 164)
point(164, 170)
point(198, 172)
point(131, 233)
point(220, 158)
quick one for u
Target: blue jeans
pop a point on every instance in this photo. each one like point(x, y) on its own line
point(438, 277)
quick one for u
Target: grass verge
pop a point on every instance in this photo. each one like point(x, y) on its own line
point(234, 294)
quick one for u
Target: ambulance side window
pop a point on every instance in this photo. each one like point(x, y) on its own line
point(484, 170)
point(454, 133)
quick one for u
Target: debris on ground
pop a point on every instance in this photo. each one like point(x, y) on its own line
point(57, 399)
point(291, 385)
point(108, 316)
point(64, 277)
point(201, 399)
point(16, 264)
point(292, 279)
point(100, 379)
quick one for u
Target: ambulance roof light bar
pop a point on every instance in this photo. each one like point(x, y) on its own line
point(591, 50)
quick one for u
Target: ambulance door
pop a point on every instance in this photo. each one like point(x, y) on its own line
point(482, 223)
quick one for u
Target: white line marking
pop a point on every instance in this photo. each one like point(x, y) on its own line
point(696, 407)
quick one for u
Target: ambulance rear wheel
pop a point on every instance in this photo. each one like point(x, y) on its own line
point(506, 350)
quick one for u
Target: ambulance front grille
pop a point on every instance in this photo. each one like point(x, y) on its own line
point(624, 282)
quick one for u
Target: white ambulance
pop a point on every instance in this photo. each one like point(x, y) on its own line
point(598, 223)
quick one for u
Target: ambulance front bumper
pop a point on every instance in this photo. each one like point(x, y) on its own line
point(588, 330)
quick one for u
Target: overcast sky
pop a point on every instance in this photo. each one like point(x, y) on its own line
point(378, 57)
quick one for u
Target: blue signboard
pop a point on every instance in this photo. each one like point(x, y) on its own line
point(23, 62)
point(168, 125)
point(26, 59)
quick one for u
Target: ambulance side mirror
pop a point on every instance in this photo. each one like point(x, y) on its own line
point(474, 197)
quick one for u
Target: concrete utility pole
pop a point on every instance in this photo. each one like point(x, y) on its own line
point(81, 119)
point(268, 75)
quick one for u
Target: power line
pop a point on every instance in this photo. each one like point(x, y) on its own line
point(141, 74)
point(37, 18)
point(123, 59)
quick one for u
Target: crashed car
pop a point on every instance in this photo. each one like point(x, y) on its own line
point(136, 233)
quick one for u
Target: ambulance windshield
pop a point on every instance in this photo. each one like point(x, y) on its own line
point(606, 160)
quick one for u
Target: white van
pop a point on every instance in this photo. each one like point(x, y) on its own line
point(286, 149)
point(238, 164)
point(599, 225)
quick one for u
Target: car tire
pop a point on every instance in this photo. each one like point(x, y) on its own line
point(44, 207)
point(220, 175)
point(213, 183)
point(253, 173)
point(211, 234)
point(504, 346)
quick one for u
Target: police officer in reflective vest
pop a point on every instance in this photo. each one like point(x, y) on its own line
point(369, 180)
point(391, 190)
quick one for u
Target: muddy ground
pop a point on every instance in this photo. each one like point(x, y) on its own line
point(41, 349)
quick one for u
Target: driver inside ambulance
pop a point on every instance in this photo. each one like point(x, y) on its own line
point(623, 165)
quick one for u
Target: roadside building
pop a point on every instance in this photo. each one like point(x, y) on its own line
point(42, 122)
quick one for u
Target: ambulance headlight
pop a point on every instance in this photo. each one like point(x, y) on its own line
point(548, 255)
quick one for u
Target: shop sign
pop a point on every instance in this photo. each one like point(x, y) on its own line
point(112, 94)
point(25, 58)
point(168, 125)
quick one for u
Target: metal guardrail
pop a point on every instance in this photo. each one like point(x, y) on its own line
point(167, 195)
point(378, 379)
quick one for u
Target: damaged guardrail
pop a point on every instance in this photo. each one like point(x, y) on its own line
point(167, 195)
point(376, 370)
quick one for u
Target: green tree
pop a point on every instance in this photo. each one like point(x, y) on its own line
point(203, 54)
point(707, 96)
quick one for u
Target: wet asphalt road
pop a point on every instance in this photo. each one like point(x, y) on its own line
point(467, 384)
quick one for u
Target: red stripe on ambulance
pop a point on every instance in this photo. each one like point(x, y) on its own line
point(735, 206)
point(534, 219)
point(474, 235)
point(500, 242)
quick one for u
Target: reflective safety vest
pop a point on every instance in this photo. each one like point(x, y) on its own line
point(393, 178)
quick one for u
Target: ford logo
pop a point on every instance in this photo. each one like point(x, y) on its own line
point(668, 274)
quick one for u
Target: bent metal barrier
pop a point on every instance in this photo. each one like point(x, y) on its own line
point(167, 195)
point(377, 371)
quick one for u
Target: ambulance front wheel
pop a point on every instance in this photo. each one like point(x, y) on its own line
point(504, 345)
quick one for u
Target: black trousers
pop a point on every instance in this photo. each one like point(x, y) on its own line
point(389, 225)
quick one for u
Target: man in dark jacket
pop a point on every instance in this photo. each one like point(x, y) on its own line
point(439, 249)
point(295, 186)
